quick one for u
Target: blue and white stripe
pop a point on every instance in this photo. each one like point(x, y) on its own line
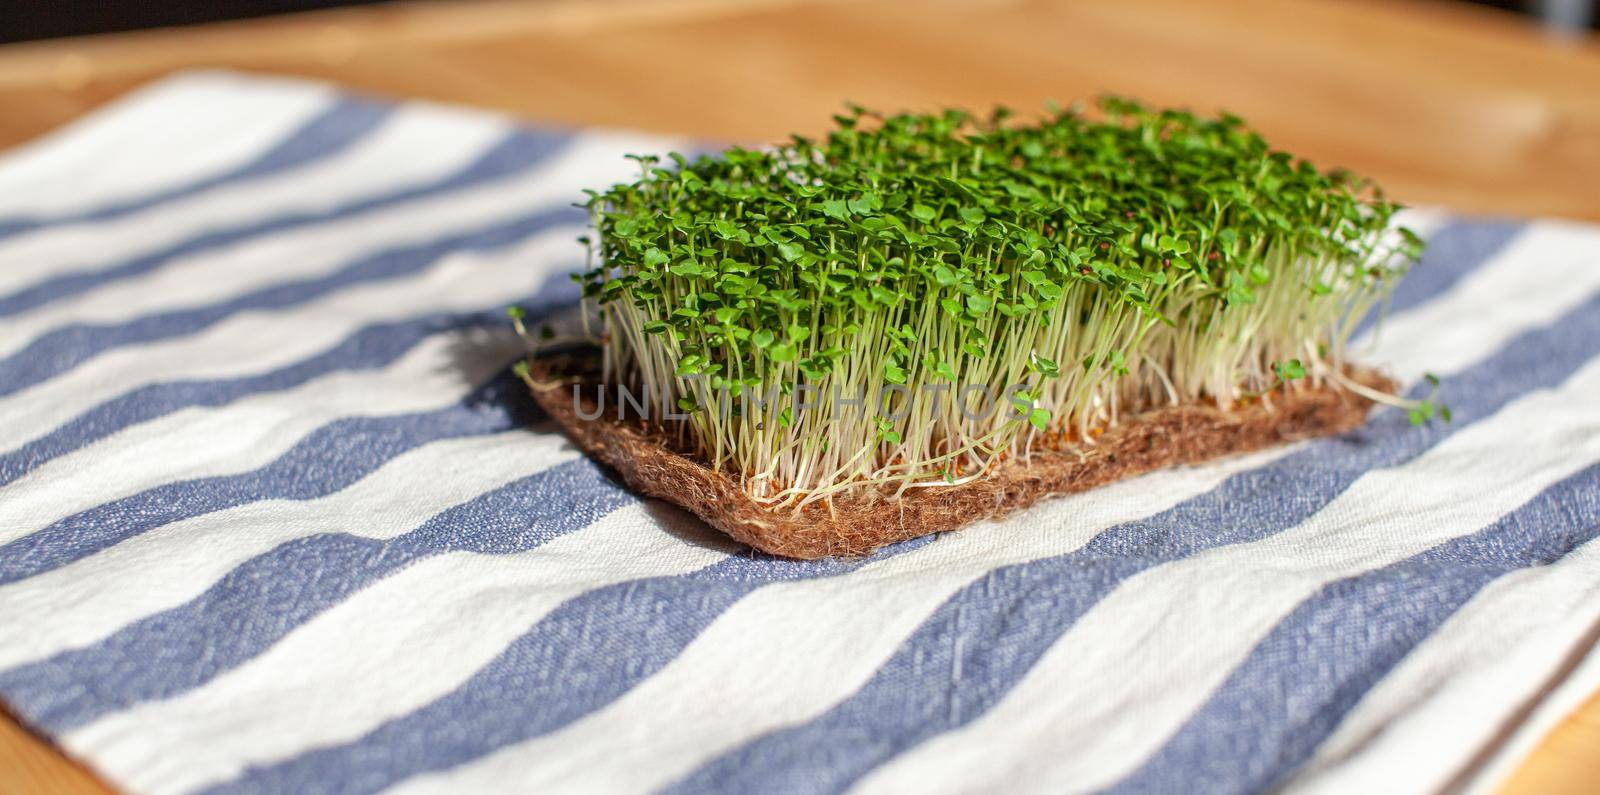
point(274, 517)
point(136, 154)
point(70, 261)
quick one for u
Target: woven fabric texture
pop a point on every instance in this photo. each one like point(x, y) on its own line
point(275, 517)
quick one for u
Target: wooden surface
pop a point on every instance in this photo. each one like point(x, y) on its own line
point(1448, 104)
point(1442, 103)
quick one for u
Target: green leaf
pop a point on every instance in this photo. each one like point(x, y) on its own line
point(1290, 370)
point(1039, 418)
point(689, 365)
point(866, 205)
point(791, 251)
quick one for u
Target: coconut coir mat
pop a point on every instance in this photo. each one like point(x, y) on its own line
point(1158, 438)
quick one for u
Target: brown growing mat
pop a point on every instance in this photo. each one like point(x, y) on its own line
point(1155, 439)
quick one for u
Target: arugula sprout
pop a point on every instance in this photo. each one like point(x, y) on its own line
point(1175, 257)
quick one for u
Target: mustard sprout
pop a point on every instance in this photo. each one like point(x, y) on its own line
point(828, 317)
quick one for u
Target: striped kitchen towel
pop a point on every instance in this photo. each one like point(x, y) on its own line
point(275, 518)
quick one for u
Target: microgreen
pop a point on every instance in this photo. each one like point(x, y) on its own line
point(1094, 264)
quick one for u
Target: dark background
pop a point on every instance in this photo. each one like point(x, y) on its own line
point(21, 20)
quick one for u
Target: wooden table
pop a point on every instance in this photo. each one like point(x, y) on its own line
point(1447, 104)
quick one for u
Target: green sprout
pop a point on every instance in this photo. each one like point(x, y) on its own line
point(1085, 266)
point(1424, 410)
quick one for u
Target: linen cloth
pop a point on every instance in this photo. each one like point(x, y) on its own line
point(274, 517)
